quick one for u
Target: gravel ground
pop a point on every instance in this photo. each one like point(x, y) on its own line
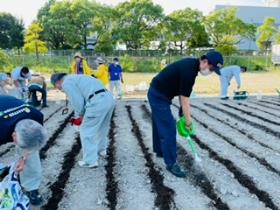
point(238, 143)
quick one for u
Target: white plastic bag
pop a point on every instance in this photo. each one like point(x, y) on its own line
point(11, 195)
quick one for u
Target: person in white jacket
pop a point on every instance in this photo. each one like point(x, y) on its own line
point(20, 76)
point(226, 74)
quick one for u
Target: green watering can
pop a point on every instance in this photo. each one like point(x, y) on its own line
point(187, 133)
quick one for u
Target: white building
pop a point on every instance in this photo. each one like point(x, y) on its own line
point(255, 15)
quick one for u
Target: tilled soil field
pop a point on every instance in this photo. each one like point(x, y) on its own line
point(238, 142)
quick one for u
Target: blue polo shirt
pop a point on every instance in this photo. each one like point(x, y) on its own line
point(12, 111)
point(115, 72)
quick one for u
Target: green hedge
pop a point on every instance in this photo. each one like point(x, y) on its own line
point(50, 64)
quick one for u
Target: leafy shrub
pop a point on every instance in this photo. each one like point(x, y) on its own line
point(5, 64)
point(128, 64)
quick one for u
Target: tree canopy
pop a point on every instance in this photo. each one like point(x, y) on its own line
point(137, 24)
point(33, 42)
point(267, 32)
point(11, 31)
point(226, 30)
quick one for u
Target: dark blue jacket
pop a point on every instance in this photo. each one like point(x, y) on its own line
point(12, 111)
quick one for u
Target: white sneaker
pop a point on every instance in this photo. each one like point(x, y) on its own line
point(86, 165)
point(103, 154)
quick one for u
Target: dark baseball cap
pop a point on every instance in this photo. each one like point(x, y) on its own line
point(56, 77)
point(216, 59)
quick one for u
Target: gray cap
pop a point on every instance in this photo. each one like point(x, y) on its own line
point(57, 77)
point(30, 134)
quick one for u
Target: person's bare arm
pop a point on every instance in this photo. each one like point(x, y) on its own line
point(185, 103)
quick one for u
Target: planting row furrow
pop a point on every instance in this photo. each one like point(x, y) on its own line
point(234, 127)
point(52, 114)
point(231, 165)
point(6, 150)
point(259, 109)
point(57, 188)
point(270, 102)
point(197, 177)
point(51, 140)
point(112, 183)
point(268, 106)
point(242, 178)
point(164, 195)
point(265, 119)
point(261, 160)
point(242, 119)
point(135, 188)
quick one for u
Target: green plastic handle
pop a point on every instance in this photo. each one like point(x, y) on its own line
point(182, 130)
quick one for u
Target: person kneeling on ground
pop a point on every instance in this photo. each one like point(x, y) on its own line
point(38, 84)
point(226, 74)
point(23, 125)
point(176, 79)
point(93, 106)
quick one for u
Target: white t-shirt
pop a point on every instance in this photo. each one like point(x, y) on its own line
point(16, 75)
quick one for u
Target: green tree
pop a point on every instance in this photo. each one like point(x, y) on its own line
point(33, 42)
point(83, 11)
point(4, 61)
point(11, 32)
point(266, 33)
point(56, 19)
point(226, 30)
point(185, 29)
point(137, 23)
point(103, 25)
point(67, 23)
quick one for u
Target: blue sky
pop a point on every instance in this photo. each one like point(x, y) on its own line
point(27, 9)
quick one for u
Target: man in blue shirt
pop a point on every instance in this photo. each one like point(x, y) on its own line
point(116, 78)
point(226, 75)
point(23, 125)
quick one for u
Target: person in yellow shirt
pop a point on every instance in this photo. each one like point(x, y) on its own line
point(102, 72)
point(80, 66)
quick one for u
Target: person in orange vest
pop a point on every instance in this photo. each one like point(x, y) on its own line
point(102, 72)
point(80, 66)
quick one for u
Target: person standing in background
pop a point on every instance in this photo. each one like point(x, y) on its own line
point(116, 77)
point(80, 66)
point(102, 72)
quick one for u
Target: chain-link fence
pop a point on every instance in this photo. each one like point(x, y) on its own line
point(150, 61)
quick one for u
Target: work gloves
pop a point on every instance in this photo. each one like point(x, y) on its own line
point(76, 121)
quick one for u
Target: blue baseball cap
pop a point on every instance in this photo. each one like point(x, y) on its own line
point(216, 59)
